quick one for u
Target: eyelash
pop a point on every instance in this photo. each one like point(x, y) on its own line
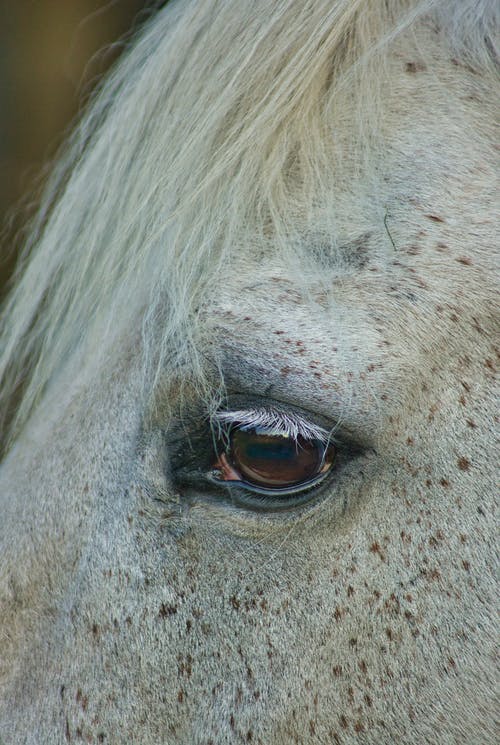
point(281, 423)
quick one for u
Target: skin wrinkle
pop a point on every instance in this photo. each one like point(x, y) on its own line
point(134, 609)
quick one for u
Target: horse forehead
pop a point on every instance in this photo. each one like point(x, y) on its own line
point(427, 204)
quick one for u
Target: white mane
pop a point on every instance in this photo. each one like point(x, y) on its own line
point(208, 136)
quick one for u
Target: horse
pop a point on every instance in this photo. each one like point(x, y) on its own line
point(247, 375)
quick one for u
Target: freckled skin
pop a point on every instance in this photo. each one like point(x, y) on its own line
point(128, 615)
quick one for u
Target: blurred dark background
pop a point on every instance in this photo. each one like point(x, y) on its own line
point(52, 52)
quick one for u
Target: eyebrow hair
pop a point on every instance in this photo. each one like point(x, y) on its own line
point(274, 421)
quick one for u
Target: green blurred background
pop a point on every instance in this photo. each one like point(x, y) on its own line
point(51, 54)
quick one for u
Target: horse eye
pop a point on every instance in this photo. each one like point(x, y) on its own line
point(259, 460)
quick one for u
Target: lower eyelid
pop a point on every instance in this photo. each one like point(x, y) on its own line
point(324, 489)
point(336, 486)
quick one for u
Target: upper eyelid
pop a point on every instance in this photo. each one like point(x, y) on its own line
point(287, 424)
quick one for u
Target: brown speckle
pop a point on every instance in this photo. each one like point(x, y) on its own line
point(234, 602)
point(464, 260)
point(375, 549)
point(185, 666)
point(166, 610)
point(413, 250)
point(477, 326)
point(413, 67)
point(337, 614)
point(463, 464)
point(433, 574)
point(434, 218)
point(432, 412)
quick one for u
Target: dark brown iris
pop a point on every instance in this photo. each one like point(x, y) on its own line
point(272, 461)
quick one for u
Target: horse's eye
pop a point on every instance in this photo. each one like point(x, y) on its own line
point(260, 460)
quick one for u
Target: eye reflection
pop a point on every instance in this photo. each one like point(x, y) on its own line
point(262, 460)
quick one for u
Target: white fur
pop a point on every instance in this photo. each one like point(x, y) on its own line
point(291, 202)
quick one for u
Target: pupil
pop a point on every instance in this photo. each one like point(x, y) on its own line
point(273, 460)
